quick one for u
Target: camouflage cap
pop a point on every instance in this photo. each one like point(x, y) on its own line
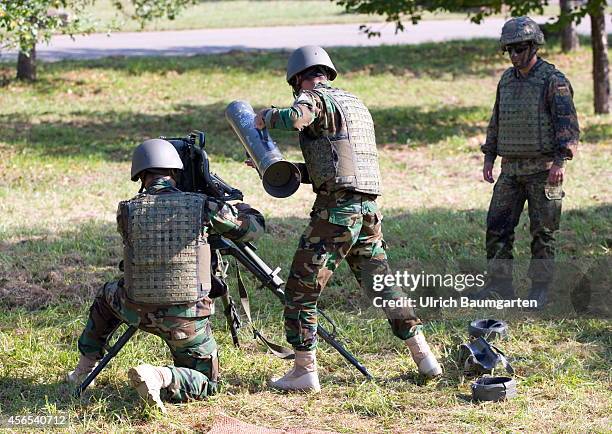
point(155, 154)
point(307, 56)
point(521, 29)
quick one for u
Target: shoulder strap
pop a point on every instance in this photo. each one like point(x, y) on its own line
point(278, 350)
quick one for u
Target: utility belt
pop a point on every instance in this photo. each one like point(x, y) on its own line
point(526, 166)
point(340, 198)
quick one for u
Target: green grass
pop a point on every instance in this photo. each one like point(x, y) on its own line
point(229, 14)
point(65, 146)
point(241, 13)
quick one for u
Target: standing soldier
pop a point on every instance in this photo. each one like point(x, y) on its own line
point(337, 139)
point(534, 128)
point(167, 280)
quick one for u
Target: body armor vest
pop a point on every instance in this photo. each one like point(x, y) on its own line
point(525, 123)
point(166, 254)
point(349, 159)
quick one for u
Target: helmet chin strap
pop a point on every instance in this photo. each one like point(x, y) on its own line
point(532, 52)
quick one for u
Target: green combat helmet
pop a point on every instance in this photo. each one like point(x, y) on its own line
point(307, 56)
point(155, 154)
point(521, 29)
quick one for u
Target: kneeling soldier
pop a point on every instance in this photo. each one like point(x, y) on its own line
point(167, 281)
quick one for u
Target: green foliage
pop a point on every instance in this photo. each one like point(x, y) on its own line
point(24, 23)
point(398, 10)
point(147, 10)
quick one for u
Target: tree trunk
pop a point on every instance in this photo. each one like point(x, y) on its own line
point(569, 36)
point(601, 67)
point(26, 65)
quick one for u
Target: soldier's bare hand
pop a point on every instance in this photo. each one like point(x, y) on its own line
point(555, 175)
point(487, 172)
point(260, 122)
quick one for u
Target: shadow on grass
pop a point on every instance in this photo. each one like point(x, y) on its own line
point(415, 126)
point(477, 57)
point(113, 135)
point(21, 396)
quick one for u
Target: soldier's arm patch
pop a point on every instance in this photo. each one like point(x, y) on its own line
point(564, 117)
point(563, 90)
point(559, 87)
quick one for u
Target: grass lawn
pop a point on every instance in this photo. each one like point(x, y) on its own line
point(65, 146)
point(242, 13)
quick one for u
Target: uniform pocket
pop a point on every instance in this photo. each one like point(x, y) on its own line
point(205, 359)
point(554, 192)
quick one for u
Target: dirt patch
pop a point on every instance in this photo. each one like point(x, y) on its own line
point(20, 293)
point(18, 290)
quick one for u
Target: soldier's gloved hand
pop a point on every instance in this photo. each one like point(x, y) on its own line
point(487, 172)
point(555, 175)
point(243, 207)
point(257, 223)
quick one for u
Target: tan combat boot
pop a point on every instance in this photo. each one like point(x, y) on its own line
point(303, 376)
point(423, 357)
point(148, 381)
point(82, 370)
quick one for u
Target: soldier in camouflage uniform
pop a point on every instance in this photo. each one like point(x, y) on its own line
point(534, 128)
point(336, 134)
point(167, 280)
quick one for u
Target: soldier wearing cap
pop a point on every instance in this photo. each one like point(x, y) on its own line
point(336, 136)
point(167, 278)
point(534, 128)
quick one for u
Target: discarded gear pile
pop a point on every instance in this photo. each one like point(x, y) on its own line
point(480, 358)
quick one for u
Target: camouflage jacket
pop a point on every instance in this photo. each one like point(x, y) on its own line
point(559, 100)
point(315, 117)
point(239, 223)
point(308, 113)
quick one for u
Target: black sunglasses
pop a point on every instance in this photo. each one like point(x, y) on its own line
point(518, 49)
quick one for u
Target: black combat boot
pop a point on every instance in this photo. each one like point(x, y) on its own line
point(496, 288)
point(539, 293)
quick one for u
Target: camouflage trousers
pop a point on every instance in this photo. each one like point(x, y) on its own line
point(353, 232)
point(184, 328)
point(544, 207)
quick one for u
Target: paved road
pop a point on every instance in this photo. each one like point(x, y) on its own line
point(190, 42)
